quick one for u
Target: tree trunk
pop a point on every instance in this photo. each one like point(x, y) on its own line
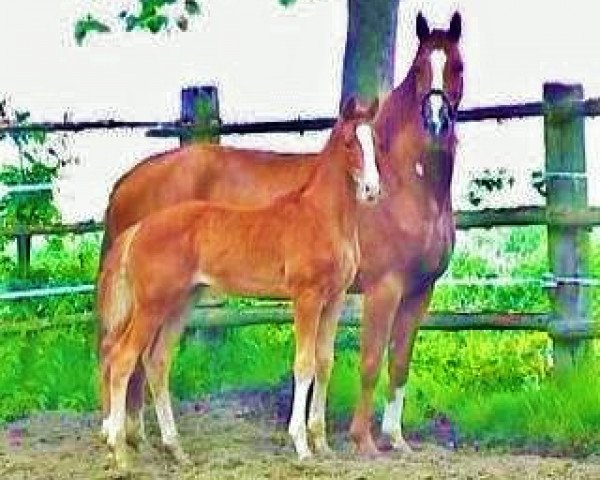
point(370, 48)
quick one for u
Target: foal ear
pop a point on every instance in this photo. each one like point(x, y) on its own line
point(349, 108)
point(422, 28)
point(455, 27)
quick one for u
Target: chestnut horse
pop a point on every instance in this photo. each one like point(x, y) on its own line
point(303, 246)
point(405, 240)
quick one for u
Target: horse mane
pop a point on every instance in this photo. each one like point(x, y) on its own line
point(299, 192)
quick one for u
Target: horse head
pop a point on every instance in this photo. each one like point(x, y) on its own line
point(355, 126)
point(438, 76)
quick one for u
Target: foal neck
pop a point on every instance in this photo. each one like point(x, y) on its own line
point(330, 189)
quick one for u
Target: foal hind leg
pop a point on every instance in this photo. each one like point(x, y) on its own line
point(157, 362)
point(324, 362)
point(404, 330)
point(134, 423)
point(307, 310)
point(122, 360)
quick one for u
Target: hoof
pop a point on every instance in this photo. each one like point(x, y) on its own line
point(366, 448)
point(324, 451)
point(317, 442)
point(177, 454)
point(304, 456)
point(136, 441)
point(394, 443)
point(121, 459)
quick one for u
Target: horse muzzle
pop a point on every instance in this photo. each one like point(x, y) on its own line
point(438, 113)
point(369, 192)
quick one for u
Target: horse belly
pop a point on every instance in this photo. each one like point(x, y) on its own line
point(241, 271)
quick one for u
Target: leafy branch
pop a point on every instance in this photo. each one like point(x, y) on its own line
point(152, 16)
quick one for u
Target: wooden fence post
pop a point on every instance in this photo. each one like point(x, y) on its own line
point(200, 106)
point(23, 254)
point(568, 247)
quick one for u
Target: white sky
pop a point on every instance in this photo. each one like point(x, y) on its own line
point(270, 62)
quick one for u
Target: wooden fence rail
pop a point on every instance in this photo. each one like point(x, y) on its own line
point(279, 313)
point(465, 220)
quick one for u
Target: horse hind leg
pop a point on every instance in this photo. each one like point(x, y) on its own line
point(404, 330)
point(307, 311)
point(324, 363)
point(157, 364)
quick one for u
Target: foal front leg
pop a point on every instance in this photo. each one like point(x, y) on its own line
point(324, 363)
point(307, 310)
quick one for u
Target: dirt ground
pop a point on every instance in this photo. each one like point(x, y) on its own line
point(243, 436)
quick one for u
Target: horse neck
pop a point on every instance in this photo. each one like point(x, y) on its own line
point(438, 169)
point(331, 190)
point(404, 146)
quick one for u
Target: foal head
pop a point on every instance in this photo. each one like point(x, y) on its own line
point(438, 75)
point(354, 126)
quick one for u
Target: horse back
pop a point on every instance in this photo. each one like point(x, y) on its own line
point(226, 175)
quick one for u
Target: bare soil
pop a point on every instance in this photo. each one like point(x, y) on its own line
point(243, 436)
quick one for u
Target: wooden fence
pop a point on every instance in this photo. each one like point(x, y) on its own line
point(566, 214)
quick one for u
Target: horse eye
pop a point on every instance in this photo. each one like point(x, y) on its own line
point(458, 68)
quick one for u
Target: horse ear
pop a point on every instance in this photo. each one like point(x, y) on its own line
point(349, 108)
point(455, 27)
point(422, 28)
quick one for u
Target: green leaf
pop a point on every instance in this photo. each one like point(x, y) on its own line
point(287, 3)
point(192, 7)
point(156, 23)
point(87, 25)
point(182, 23)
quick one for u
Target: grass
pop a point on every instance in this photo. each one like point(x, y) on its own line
point(562, 413)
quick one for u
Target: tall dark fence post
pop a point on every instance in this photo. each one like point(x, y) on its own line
point(566, 187)
point(200, 107)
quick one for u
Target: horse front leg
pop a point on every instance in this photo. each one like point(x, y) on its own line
point(380, 305)
point(307, 312)
point(404, 330)
point(324, 364)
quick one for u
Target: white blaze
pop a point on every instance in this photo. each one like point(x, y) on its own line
point(369, 182)
point(438, 60)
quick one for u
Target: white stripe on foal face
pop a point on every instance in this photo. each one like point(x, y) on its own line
point(368, 183)
point(438, 60)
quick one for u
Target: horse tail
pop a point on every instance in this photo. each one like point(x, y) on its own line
point(115, 295)
point(107, 237)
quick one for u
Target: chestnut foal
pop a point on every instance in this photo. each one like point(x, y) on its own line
point(303, 246)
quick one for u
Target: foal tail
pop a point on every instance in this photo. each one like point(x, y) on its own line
point(115, 295)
